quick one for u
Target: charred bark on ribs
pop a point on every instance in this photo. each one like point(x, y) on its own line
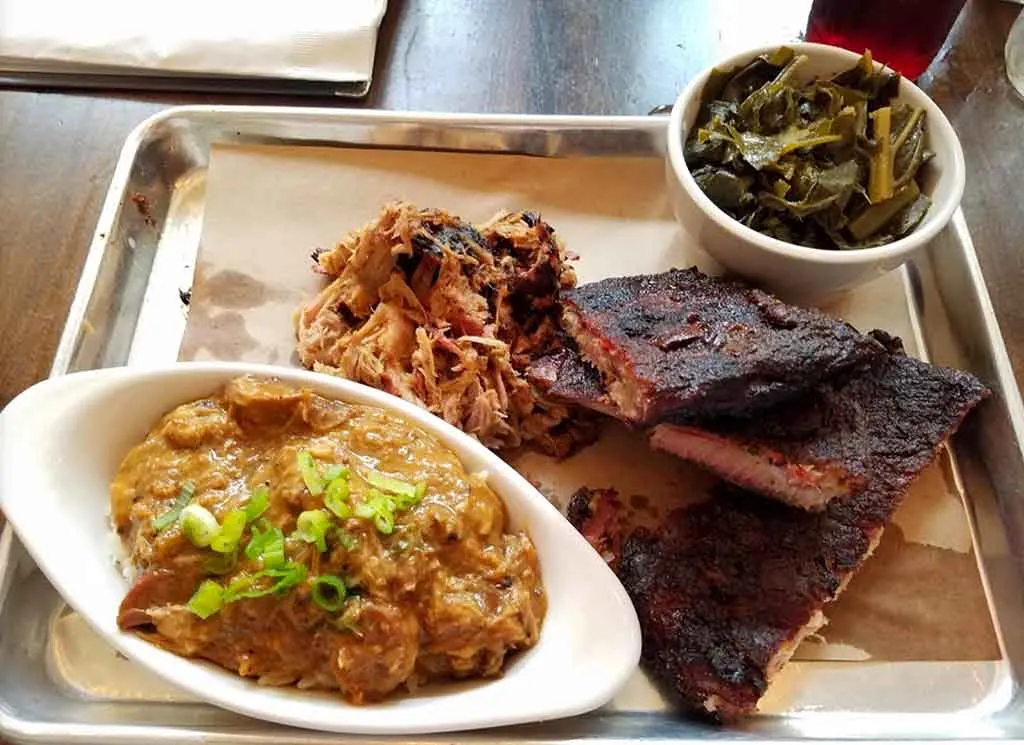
point(563, 375)
point(726, 590)
point(829, 442)
point(681, 341)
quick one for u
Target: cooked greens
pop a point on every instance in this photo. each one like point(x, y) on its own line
point(827, 163)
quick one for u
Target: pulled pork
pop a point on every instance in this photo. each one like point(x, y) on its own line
point(448, 316)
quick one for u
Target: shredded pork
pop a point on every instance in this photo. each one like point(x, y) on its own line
point(448, 315)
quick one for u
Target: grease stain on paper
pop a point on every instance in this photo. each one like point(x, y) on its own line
point(222, 336)
point(890, 625)
point(236, 290)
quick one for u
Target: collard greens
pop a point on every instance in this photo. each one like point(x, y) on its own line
point(827, 163)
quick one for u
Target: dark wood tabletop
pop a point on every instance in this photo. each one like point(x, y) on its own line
point(58, 148)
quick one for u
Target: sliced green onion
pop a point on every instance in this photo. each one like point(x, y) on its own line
point(258, 503)
point(368, 508)
point(226, 541)
point(170, 517)
point(346, 539)
point(388, 484)
point(329, 592)
point(207, 599)
point(384, 522)
point(312, 527)
point(199, 525)
point(335, 471)
point(274, 557)
point(336, 498)
point(221, 563)
point(254, 585)
point(310, 475)
point(406, 494)
point(405, 501)
point(262, 533)
point(380, 509)
point(267, 543)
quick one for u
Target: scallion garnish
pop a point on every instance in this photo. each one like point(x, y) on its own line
point(210, 597)
point(384, 522)
point(310, 474)
point(346, 539)
point(226, 541)
point(170, 517)
point(266, 544)
point(273, 554)
point(405, 501)
point(328, 592)
point(199, 525)
point(405, 494)
point(254, 585)
point(336, 498)
point(207, 599)
point(312, 527)
point(335, 471)
point(388, 484)
point(368, 507)
point(258, 503)
point(379, 508)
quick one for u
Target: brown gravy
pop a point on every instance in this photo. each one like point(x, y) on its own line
point(411, 577)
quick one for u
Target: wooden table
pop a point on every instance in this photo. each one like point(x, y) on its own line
point(58, 150)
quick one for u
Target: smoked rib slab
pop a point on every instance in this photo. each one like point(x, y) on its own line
point(726, 589)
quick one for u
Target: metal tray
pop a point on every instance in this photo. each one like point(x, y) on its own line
point(60, 683)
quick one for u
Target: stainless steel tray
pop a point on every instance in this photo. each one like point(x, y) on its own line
point(59, 683)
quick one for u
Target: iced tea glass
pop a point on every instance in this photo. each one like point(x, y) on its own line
point(903, 34)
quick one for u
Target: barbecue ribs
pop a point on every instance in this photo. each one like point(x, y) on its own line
point(681, 341)
point(727, 589)
point(566, 377)
point(829, 442)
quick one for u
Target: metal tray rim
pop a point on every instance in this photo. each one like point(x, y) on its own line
point(1004, 368)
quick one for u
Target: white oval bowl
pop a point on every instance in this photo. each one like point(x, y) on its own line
point(800, 272)
point(62, 441)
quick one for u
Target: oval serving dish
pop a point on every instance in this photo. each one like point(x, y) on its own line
point(61, 443)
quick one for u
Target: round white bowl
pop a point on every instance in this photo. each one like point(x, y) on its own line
point(798, 271)
point(61, 442)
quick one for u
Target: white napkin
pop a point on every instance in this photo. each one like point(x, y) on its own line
point(312, 40)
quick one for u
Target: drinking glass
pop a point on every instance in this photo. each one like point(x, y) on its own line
point(903, 34)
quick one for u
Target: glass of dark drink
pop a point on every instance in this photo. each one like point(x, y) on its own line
point(903, 34)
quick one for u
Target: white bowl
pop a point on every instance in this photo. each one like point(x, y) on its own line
point(62, 441)
point(798, 271)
